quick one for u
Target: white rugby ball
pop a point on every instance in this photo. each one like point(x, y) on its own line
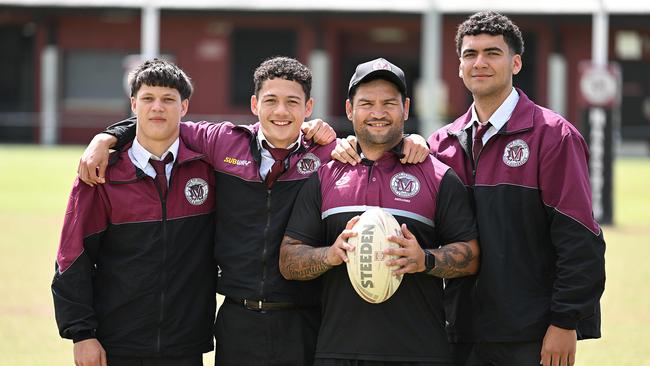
point(371, 278)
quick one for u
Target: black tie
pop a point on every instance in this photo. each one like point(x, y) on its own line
point(278, 154)
point(161, 175)
point(477, 144)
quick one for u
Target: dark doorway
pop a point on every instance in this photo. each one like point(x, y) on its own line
point(17, 118)
point(635, 107)
point(251, 46)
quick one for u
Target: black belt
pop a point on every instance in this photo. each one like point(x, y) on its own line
point(259, 305)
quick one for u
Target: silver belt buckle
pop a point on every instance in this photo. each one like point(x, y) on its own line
point(257, 306)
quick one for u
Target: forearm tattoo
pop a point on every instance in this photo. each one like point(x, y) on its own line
point(454, 260)
point(299, 261)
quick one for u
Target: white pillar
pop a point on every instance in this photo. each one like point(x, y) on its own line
point(429, 97)
point(557, 83)
point(319, 63)
point(597, 168)
point(600, 168)
point(150, 31)
point(599, 37)
point(49, 95)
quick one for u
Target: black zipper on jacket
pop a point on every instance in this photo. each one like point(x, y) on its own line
point(163, 274)
point(470, 154)
point(266, 242)
point(257, 156)
point(474, 164)
point(471, 158)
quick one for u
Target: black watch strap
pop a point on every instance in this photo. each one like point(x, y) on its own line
point(429, 261)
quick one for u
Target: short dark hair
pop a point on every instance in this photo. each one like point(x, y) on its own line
point(492, 23)
point(159, 72)
point(286, 68)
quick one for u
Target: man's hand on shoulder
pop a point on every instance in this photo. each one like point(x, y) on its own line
point(558, 347)
point(93, 162)
point(415, 149)
point(89, 352)
point(319, 131)
point(346, 151)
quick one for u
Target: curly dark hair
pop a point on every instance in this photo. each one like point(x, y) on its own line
point(286, 68)
point(159, 72)
point(493, 23)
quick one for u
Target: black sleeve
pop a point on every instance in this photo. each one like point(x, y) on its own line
point(580, 272)
point(579, 278)
point(72, 291)
point(84, 227)
point(124, 131)
point(305, 223)
point(455, 220)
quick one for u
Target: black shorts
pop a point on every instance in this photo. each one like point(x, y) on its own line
point(196, 360)
point(338, 362)
point(274, 337)
point(497, 353)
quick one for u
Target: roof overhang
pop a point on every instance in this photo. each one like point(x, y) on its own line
point(403, 6)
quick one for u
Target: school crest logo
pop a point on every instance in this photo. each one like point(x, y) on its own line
point(404, 185)
point(196, 191)
point(343, 181)
point(381, 65)
point(308, 164)
point(516, 153)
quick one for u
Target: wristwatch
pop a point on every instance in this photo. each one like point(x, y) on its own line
point(429, 261)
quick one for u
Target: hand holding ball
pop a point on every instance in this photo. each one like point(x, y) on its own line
point(369, 275)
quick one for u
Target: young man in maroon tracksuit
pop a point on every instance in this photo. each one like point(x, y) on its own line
point(135, 277)
point(542, 254)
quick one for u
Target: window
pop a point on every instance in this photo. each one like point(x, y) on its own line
point(94, 80)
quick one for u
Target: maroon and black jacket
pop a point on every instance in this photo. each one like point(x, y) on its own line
point(542, 253)
point(137, 272)
point(250, 218)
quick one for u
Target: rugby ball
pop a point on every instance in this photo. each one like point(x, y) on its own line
point(371, 278)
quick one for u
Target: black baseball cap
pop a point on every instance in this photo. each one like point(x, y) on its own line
point(379, 68)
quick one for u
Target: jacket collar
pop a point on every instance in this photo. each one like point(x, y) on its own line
point(122, 169)
point(521, 119)
point(253, 130)
point(142, 155)
point(395, 151)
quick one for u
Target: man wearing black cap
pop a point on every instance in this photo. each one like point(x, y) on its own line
point(438, 225)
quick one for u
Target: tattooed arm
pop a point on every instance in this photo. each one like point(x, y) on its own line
point(456, 259)
point(300, 261)
point(452, 260)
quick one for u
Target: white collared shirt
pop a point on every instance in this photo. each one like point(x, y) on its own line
point(140, 158)
point(267, 159)
point(498, 118)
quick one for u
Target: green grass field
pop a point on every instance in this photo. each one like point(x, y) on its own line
point(35, 183)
